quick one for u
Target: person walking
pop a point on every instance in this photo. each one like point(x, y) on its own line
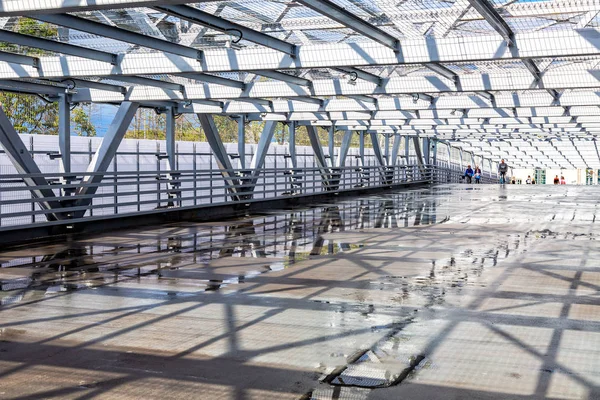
point(562, 180)
point(502, 169)
point(528, 181)
point(477, 174)
point(469, 173)
point(556, 180)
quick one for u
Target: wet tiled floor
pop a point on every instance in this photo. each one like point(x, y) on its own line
point(462, 292)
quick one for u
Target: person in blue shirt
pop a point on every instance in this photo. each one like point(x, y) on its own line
point(469, 173)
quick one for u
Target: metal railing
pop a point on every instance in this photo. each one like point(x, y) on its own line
point(129, 193)
point(134, 192)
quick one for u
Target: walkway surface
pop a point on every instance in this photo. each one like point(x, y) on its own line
point(463, 292)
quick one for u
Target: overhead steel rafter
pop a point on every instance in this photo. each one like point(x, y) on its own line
point(489, 13)
point(92, 85)
point(414, 86)
point(123, 35)
point(585, 43)
point(13, 58)
point(349, 20)
point(56, 47)
point(213, 79)
point(356, 73)
point(138, 80)
point(280, 76)
point(32, 88)
point(445, 72)
point(197, 16)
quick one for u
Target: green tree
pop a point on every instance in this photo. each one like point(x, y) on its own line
point(83, 125)
point(34, 113)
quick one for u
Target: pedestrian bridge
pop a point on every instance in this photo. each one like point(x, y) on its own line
point(259, 199)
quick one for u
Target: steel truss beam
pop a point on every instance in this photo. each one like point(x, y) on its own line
point(533, 105)
point(445, 72)
point(138, 80)
point(490, 14)
point(93, 85)
point(215, 142)
point(360, 74)
point(394, 87)
point(56, 47)
point(197, 16)
point(214, 79)
point(32, 88)
point(349, 20)
point(49, 6)
point(584, 42)
point(24, 163)
point(416, 15)
point(105, 154)
point(280, 76)
point(122, 35)
point(12, 58)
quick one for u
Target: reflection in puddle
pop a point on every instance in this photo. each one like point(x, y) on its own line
point(211, 254)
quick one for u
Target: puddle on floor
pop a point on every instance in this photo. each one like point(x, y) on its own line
point(169, 251)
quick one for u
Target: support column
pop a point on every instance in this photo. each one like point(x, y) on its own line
point(223, 160)
point(377, 149)
point(105, 154)
point(64, 133)
point(460, 155)
point(21, 159)
point(417, 144)
point(346, 140)
point(320, 158)
point(258, 160)
point(420, 158)
point(331, 143)
point(295, 184)
point(64, 142)
point(426, 151)
point(386, 174)
point(242, 141)
point(173, 176)
point(292, 143)
point(361, 145)
point(170, 140)
point(387, 149)
point(396, 149)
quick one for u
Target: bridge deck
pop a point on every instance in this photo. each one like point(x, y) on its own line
point(477, 292)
